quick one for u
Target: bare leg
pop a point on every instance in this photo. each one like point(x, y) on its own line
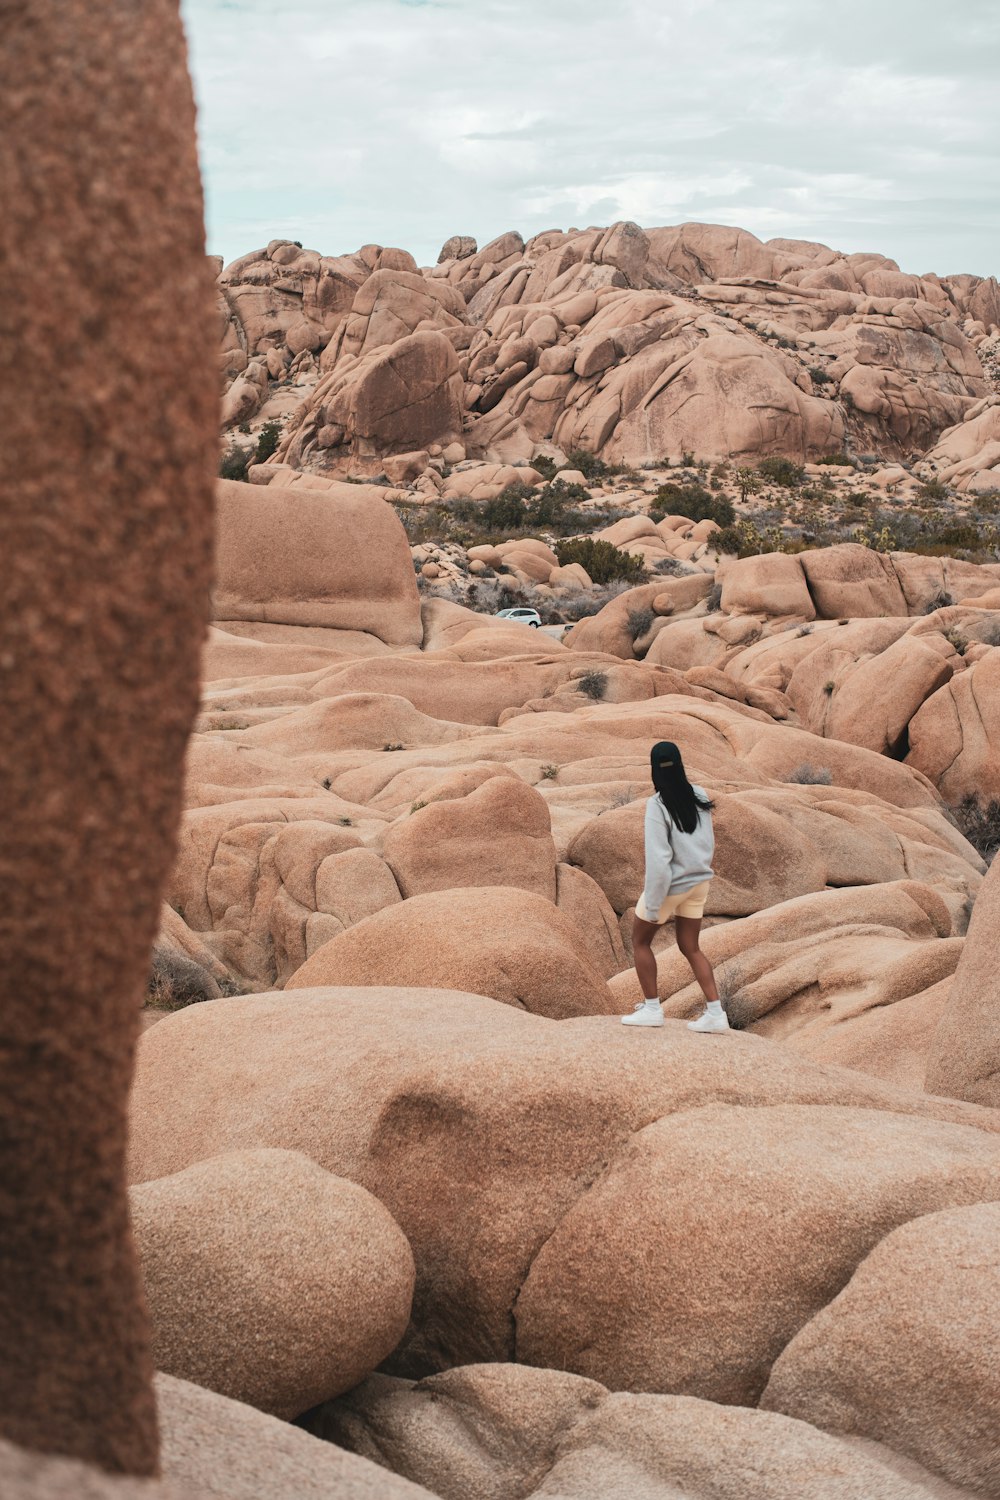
point(688, 929)
point(645, 962)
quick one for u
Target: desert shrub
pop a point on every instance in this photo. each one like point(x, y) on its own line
point(234, 462)
point(956, 640)
point(393, 745)
point(547, 467)
point(829, 687)
point(584, 605)
point(747, 481)
point(550, 772)
point(807, 774)
point(589, 465)
point(841, 460)
point(781, 471)
point(693, 501)
point(603, 560)
point(818, 376)
point(672, 567)
point(267, 441)
point(176, 981)
point(746, 540)
point(941, 600)
point(933, 490)
point(979, 824)
point(639, 621)
point(593, 684)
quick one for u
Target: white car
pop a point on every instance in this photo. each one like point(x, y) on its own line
point(521, 616)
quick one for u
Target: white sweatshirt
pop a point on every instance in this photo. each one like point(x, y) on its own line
point(675, 860)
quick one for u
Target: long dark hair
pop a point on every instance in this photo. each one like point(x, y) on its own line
point(678, 796)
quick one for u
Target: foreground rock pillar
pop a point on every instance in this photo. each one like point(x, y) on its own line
point(107, 389)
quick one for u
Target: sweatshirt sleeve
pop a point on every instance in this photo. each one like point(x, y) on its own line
point(659, 857)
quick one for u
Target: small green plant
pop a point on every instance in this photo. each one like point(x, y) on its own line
point(829, 688)
point(392, 745)
point(550, 772)
point(327, 783)
point(416, 806)
point(956, 640)
point(942, 600)
point(807, 774)
point(819, 376)
point(593, 684)
point(234, 463)
point(781, 471)
point(603, 561)
point(840, 460)
point(694, 502)
point(804, 630)
point(346, 822)
point(267, 441)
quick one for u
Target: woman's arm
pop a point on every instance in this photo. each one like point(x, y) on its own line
point(659, 856)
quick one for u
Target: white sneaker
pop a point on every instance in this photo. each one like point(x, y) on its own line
point(708, 1022)
point(643, 1015)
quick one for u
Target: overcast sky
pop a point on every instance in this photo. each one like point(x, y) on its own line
point(868, 124)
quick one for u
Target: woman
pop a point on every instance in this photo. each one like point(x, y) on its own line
point(679, 848)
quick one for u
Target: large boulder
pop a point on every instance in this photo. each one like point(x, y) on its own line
point(111, 431)
point(269, 1280)
point(492, 1136)
point(964, 1059)
point(827, 1180)
point(954, 736)
point(929, 1384)
point(852, 581)
point(512, 945)
point(498, 834)
point(336, 557)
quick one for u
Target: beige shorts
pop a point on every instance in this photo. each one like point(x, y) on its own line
point(689, 903)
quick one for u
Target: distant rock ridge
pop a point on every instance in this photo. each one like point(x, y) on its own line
point(630, 343)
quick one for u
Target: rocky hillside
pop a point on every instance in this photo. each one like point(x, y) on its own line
point(638, 346)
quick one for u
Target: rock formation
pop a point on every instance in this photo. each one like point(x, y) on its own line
point(626, 342)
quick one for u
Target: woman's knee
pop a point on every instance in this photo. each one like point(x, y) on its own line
point(687, 942)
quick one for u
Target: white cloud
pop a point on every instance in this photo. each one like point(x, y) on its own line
point(873, 126)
